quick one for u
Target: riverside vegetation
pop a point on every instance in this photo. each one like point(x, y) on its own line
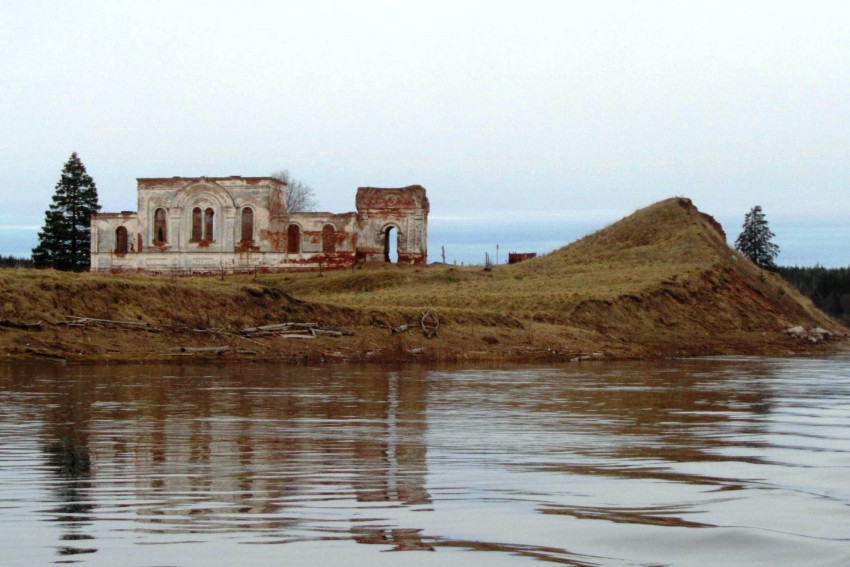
point(661, 282)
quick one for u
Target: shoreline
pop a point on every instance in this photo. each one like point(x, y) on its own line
point(533, 343)
point(660, 283)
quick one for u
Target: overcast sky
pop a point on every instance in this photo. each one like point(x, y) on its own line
point(573, 110)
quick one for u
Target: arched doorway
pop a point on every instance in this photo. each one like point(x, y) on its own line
point(391, 238)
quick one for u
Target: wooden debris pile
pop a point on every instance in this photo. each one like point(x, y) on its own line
point(295, 331)
point(74, 321)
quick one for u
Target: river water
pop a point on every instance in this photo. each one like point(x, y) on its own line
point(696, 462)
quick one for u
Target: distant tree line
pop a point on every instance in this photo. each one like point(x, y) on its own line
point(14, 262)
point(828, 288)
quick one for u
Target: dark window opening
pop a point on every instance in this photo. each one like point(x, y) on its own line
point(160, 231)
point(328, 239)
point(121, 243)
point(197, 224)
point(247, 224)
point(293, 239)
point(208, 225)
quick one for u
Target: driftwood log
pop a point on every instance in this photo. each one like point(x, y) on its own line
point(74, 321)
point(20, 325)
point(208, 350)
point(229, 335)
point(189, 351)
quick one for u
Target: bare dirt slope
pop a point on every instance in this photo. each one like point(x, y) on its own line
point(660, 282)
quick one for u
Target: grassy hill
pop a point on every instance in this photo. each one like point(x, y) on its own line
point(660, 282)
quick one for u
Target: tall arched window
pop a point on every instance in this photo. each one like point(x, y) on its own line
point(197, 224)
point(202, 225)
point(160, 230)
point(121, 240)
point(293, 239)
point(328, 239)
point(247, 224)
point(208, 225)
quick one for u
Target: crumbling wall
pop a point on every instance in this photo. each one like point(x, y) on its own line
point(382, 211)
point(104, 242)
point(325, 240)
point(198, 225)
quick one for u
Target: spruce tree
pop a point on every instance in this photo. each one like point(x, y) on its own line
point(65, 241)
point(754, 241)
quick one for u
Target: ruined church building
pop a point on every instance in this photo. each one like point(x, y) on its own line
point(240, 224)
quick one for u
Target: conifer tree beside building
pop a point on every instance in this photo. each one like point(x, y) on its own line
point(65, 241)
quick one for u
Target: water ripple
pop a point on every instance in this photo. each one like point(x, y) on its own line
point(702, 462)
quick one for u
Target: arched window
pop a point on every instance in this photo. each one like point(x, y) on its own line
point(208, 225)
point(121, 240)
point(197, 224)
point(328, 239)
point(160, 230)
point(202, 225)
point(293, 239)
point(247, 224)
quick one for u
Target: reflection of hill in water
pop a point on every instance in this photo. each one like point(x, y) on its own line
point(634, 429)
point(299, 453)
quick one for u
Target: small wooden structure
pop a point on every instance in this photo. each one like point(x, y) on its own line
point(430, 324)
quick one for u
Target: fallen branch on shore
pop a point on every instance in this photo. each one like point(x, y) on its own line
point(20, 325)
point(210, 350)
point(294, 331)
point(229, 335)
point(74, 321)
point(185, 351)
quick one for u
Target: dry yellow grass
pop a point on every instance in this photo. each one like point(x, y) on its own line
point(669, 248)
point(659, 282)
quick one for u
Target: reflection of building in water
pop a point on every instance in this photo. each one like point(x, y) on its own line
point(391, 454)
point(294, 452)
point(400, 538)
point(202, 451)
